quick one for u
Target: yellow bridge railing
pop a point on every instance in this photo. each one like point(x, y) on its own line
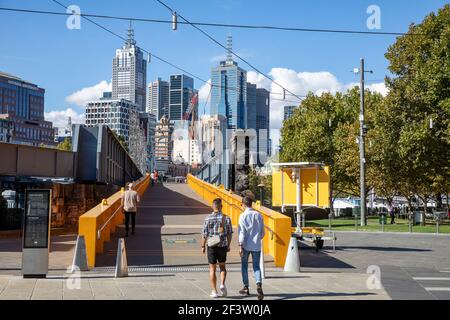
point(275, 242)
point(97, 224)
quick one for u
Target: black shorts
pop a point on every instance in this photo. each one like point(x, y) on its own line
point(217, 254)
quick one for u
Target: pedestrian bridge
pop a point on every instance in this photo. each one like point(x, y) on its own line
point(168, 226)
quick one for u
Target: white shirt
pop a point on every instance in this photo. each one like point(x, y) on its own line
point(251, 230)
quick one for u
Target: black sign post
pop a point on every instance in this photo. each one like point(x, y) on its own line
point(36, 233)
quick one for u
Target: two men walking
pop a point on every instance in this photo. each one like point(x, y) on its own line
point(217, 234)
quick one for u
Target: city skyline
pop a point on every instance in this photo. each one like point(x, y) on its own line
point(298, 68)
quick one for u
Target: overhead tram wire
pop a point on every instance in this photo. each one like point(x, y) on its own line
point(170, 63)
point(210, 24)
point(228, 49)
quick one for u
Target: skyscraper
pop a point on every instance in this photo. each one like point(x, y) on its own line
point(158, 98)
point(263, 122)
point(130, 73)
point(288, 111)
point(22, 112)
point(229, 91)
point(250, 114)
point(181, 91)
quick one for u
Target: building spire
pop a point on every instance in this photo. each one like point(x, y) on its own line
point(229, 48)
point(131, 41)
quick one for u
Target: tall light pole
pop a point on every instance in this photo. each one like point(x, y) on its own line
point(362, 134)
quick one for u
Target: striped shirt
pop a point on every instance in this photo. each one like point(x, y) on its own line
point(213, 224)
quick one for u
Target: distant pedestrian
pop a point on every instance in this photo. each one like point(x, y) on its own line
point(155, 176)
point(217, 232)
point(152, 179)
point(130, 200)
point(251, 231)
point(391, 212)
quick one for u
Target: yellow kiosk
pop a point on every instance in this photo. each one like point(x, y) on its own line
point(302, 185)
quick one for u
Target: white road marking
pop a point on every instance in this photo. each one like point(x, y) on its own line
point(438, 289)
point(432, 278)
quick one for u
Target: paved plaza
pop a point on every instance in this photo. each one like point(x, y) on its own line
point(165, 262)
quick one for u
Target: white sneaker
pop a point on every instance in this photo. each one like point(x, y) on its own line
point(223, 290)
point(214, 294)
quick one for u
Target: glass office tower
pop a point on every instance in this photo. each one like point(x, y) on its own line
point(229, 93)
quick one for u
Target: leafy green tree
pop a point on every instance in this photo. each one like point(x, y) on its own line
point(65, 145)
point(419, 98)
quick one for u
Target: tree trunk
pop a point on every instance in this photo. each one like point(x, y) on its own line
point(423, 214)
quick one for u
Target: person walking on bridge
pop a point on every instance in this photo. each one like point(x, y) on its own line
point(217, 232)
point(130, 199)
point(251, 231)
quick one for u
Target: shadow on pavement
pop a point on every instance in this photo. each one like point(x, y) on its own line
point(145, 247)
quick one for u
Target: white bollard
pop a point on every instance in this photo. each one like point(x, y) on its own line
point(121, 260)
point(79, 258)
point(292, 263)
point(261, 262)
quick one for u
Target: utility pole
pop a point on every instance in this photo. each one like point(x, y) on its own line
point(362, 133)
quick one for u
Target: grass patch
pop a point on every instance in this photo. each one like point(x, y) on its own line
point(401, 225)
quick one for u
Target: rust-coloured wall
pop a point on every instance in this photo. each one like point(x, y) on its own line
point(69, 201)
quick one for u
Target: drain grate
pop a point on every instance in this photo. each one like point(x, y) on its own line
point(170, 269)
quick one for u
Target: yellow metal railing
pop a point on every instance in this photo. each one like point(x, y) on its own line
point(279, 224)
point(97, 224)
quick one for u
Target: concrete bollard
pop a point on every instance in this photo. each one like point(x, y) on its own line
point(80, 257)
point(292, 263)
point(121, 260)
point(261, 262)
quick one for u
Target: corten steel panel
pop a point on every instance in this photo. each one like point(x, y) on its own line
point(8, 159)
point(21, 160)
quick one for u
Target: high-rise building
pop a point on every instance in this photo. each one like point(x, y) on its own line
point(163, 144)
point(181, 91)
point(288, 111)
point(250, 110)
point(114, 113)
point(148, 123)
point(130, 73)
point(158, 98)
point(22, 104)
point(263, 124)
point(229, 91)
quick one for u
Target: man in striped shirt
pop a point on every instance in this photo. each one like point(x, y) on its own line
point(217, 224)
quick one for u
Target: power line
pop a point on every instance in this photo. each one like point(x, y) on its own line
point(163, 60)
point(210, 24)
point(228, 49)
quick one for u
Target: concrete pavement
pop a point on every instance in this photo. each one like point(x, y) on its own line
point(166, 262)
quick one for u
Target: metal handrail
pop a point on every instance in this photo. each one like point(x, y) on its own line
point(99, 231)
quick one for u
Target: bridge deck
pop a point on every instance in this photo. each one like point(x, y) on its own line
point(168, 230)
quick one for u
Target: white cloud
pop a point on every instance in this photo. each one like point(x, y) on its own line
point(82, 96)
point(60, 117)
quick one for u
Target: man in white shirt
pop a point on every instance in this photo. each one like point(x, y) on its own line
point(251, 231)
point(130, 199)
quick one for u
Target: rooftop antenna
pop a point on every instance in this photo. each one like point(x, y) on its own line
point(131, 41)
point(229, 48)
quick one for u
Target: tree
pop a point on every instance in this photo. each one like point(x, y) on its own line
point(419, 95)
point(324, 129)
point(65, 145)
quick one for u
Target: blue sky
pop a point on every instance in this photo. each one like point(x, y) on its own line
point(40, 48)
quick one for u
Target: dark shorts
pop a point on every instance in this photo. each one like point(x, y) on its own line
point(217, 254)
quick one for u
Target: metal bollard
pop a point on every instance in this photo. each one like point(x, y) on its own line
point(382, 225)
